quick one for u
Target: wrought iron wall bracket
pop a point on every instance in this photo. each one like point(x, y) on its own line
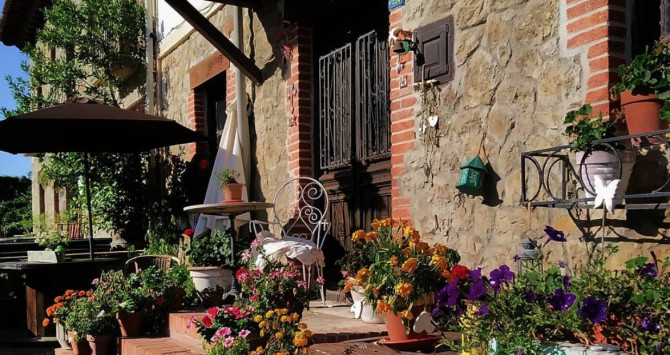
point(544, 162)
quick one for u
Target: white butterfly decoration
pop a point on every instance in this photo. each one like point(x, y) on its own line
point(432, 120)
point(357, 309)
point(605, 193)
point(424, 322)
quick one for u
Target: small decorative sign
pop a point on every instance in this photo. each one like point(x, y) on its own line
point(44, 256)
point(395, 3)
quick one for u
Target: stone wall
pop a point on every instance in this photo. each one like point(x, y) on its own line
point(514, 81)
point(269, 129)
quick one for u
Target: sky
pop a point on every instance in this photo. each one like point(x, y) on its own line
point(10, 64)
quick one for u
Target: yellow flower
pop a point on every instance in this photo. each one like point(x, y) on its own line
point(403, 289)
point(302, 326)
point(394, 260)
point(282, 311)
point(371, 236)
point(358, 235)
point(279, 335)
point(383, 307)
point(347, 287)
point(440, 249)
point(300, 340)
point(375, 224)
point(269, 314)
point(388, 222)
point(262, 333)
point(258, 318)
point(285, 319)
point(440, 261)
point(295, 316)
point(307, 332)
point(362, 275)
point(407, 314)
point(263, 324)
point(410, 265)
point(259, 349)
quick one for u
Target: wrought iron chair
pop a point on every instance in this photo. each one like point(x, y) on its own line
point(144, 261)
point(297, 219)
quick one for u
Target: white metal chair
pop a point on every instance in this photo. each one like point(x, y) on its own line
point(301, 225)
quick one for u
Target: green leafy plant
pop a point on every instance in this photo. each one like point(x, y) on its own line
point(52, 239)
point(15, 206)
point(211, 250)
point(227, 176)
point(649, 72)
point(583, 130)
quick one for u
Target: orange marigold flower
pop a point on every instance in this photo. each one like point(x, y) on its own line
point(375, 224)
point(410, 265)
point(59, 305)
point(67, 298)
point(407, 250)
point(421, 246)
point(403, 223)
point(388, 222)
point(45, 322)
point(447, 275)
point(371, 236)
point(430, 251)
point(403, 289)
point(358, 235)
point(376, 292)
point(383, 307)
point(440, 249)
point(58, 299)
point(69, 292)
point(82, 293)
point(50, 311)
point(440, 261)
point(393, 261)
point(89, 293)
point(362, 275)
point(407, 314)
point(347, 287)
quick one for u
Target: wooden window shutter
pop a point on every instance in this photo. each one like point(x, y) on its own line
point(434, 58)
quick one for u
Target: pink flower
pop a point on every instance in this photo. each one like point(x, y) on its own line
point(255, 297)
point(245, 255)
point(228, 342)
point(275, 273)
point(95, 281)
point(138, 271)
point(302, 283)
point(244, 333)
point(206, 321)
point(254, 243)
point(190, 322)
point(212, 312)
point(320, 280)
point(225, 331)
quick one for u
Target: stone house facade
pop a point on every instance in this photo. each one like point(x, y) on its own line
point(516, 68)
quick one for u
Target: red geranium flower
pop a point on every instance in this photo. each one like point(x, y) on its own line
point(212, 312)
point(204, 164)
point(206, 321)
point(189, 232)
point(159, 301)
point(460, 272)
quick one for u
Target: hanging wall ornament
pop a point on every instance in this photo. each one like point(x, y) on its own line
point(429, 130)
point(473, 173)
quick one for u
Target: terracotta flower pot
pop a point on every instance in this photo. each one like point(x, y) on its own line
point(80, 347)
point(131, 324)
point(605, 164)
point(396, 329)
point(232, 192)
point(100, 344)
point(642, 112)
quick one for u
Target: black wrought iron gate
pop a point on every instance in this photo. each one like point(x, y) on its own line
point(354, 132)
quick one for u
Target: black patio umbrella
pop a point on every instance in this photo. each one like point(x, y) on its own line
point(88, 126)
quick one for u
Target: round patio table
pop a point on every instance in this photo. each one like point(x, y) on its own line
point(231, 210)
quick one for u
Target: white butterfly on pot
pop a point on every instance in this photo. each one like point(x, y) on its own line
point(605, 193)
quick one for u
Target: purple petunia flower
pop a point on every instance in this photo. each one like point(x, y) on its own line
point(500, 276)
point(483, 310)
point(520, 351)
point(562, 265)
point(647, 270)
point(475, 274)
point(529, 296)
point(566, 282)
point(448, 295)
point(593, 310)
point(650, 326)
point(555, 235)
point(560, 300)
point(477, 290)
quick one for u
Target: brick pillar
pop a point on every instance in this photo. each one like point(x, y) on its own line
point(403, 99)
point(299, 101)
point(598, 28)
point(196, 116)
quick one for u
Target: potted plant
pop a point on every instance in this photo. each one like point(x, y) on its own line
point(179, 285)
point(208, 254)
point(58, 312)
point(601, 160)
point(232, 190)
point(403, 279)
point(644, 89)
point(54, 243)
point(75, 323)
point(360, 255)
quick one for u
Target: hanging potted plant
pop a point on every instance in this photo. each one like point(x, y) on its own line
point(208, 255)
point(232, 190)
point(600, 161)
point(402, 281)
point(644, 90)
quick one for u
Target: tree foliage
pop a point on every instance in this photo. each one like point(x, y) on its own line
point(15, 206)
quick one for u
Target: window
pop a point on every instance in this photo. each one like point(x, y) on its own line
point(646, 23)
point(434, 56)
point(215, 110)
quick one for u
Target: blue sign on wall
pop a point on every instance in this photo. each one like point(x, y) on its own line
point(395, 3)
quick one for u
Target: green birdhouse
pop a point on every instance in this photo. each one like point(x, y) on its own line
point(472, 177)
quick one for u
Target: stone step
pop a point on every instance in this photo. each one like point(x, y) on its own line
point(158, 346)
point(178, 325)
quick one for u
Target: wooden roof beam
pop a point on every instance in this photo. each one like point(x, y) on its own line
point(217, 39)
point(252, 4)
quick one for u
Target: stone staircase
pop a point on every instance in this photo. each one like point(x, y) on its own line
point(180, 341)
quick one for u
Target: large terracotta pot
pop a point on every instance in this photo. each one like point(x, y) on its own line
point(208, 277)
point(131, 324)
point(80, 347)
point(232, 192)
point(396, 329)
point(605, 164)
point(642, 112)
point(100, 344)
point(61, 336)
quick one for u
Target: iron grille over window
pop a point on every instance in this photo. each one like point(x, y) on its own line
point(354, 103)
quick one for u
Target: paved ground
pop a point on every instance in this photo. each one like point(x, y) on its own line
point(17, 342)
